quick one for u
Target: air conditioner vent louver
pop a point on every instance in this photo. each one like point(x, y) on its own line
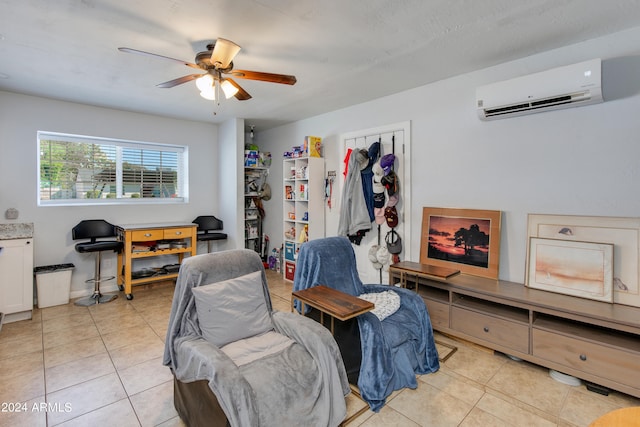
point(541, 103)
point(564, 87)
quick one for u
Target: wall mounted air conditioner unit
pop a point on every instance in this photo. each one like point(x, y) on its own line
point(564, 87)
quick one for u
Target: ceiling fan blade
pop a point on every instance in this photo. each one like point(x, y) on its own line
point(223, 53)
point(242, 94)
point(265, 77)
point(179, 81)
point(141, 52)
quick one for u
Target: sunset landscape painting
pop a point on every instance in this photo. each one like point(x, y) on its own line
point(464, 240)
point(583, 269)
point(460, 240)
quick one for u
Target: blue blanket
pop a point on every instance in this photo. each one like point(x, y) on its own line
point(394, 350)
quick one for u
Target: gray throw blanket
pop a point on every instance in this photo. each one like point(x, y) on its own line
point(304, 384)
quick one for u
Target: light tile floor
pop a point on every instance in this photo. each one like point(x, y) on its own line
point(102, 366)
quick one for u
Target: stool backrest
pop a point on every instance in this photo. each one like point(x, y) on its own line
point(93, 229)
point(208, 223)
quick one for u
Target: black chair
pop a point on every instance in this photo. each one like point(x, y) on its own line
point(207, 229)
point(94, 229)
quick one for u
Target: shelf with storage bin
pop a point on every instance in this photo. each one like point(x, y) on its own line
point(595, 341)
point(254, 177)
point(303, 206)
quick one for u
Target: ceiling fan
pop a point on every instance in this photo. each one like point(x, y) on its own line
point(217, 62)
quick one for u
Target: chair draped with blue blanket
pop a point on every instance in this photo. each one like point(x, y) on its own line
point(394, 350)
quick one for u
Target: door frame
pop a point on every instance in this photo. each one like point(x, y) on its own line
point(404, 177)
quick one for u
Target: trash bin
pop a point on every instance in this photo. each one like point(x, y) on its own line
point(53, 283)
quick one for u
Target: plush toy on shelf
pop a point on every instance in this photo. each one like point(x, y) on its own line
point(304, 236)
point(291, 234)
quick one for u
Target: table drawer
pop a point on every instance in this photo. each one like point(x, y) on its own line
point(492, 329)
point(601, 360)
point(147, 235)
point(177, 233)
point(438, 313)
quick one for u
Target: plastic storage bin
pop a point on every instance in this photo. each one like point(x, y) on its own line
point(289, 251)
point(53, 284)
point(290, 270)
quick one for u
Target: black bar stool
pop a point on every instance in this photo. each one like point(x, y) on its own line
point(207, 229)
point(94, 229)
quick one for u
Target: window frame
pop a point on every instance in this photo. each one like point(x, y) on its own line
point(182, 170)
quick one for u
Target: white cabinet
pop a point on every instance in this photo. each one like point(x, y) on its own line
point(16, 276)
point(304, 190)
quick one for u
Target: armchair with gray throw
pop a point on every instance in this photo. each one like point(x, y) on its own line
point(385, 355)
point(237, 362)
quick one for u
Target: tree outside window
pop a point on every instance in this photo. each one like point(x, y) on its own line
point(86, 170)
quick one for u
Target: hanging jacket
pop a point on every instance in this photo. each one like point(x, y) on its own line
point(354, 215)
point(366, 176)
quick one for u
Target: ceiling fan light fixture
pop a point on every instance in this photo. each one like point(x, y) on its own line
point(228, 89)
point(209, 94)
point(223, 52)
point(215, 62)
point(205, 83)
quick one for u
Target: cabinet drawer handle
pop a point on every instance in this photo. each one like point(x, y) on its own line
point(583, 357)
point(486, 329)
point(147, 234)
point(178, 233)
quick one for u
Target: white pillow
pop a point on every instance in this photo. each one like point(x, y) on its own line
point(232, 310)
point(251, 349)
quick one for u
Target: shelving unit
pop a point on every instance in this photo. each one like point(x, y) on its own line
point(252, 218)
point(596, 341)
point(303, 207)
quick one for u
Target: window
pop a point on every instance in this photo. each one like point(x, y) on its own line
point(85, 170)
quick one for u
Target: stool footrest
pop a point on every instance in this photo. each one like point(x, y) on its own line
point(102, 279)
point(95, 299)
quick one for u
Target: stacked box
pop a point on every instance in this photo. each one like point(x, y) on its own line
point(250, 158)
point(313, 146)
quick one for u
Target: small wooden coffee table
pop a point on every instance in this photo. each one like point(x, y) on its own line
point(336, 304)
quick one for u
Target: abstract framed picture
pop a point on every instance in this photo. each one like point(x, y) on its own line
point(467, 240)
point(623, 233)
point(581, 269)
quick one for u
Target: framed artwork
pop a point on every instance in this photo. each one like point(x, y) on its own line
point(467, 240)
point(582, 269)
point(623, 233)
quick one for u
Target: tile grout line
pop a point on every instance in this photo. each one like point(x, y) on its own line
point(133, 408)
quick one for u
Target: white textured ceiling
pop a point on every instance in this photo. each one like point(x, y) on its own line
point(343, 52)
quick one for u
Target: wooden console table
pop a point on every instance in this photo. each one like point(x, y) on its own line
point(176, 239)
point(596, 341)
point(336, 304)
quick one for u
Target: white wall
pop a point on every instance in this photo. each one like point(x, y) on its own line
point(22, 116)
point(231, 179)
point(580, 161)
